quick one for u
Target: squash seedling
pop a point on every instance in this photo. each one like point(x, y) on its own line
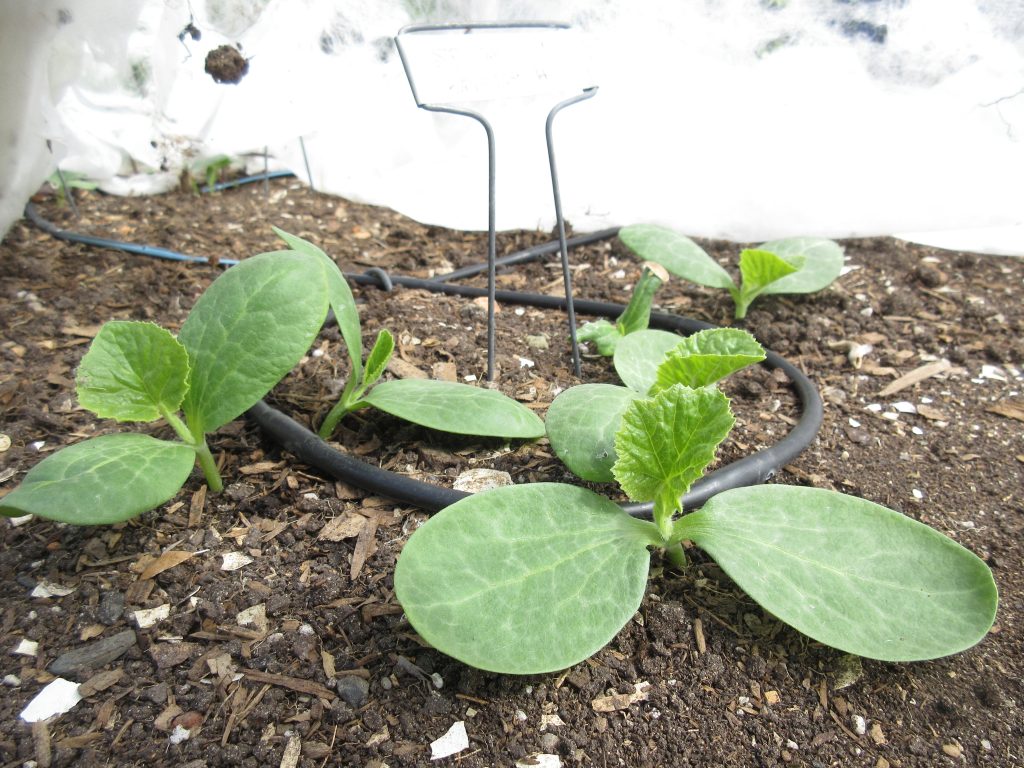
point(635, 317)
point(443, 405)
point(247, 330)
point(535, 578)
point(583, 420)
point(792, 265)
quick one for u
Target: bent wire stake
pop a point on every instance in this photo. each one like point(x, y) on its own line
point(522, 86)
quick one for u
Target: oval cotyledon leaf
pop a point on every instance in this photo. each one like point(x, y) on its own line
point(524, 579)
point(847, 572)
point(452, 407)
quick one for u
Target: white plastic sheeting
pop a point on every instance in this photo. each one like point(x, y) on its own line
point(744, 119)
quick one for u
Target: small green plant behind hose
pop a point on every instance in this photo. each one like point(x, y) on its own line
point(793, 265)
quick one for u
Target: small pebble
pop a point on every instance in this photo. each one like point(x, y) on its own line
point(859, 725)
point(549, 742)
point(353, 690)
point(111, 607)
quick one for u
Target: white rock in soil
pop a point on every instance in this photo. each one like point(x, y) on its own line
point(481, 479)
point(147, 617)
point(255, 616)
point(49, 589)
point(234, 560)
point(859, 724)
point(453, 742)
point(26, 648)
point(55, 699)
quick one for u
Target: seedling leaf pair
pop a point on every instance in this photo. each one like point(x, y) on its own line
point(442, 405)
point(582, 421)
point(792, 265)
point(535, 578)
point(245, 333)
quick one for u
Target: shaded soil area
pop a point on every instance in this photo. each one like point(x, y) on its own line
point(281, 642)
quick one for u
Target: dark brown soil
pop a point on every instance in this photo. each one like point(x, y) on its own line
point(335, 675)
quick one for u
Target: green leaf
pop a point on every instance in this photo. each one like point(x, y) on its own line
point(676, 253)
point(581, 424)
point(847, 572)
point(103, 480)
point(249, 329)
point(524, 579)
point(638, 355)
point(708, 356)
point(637, 314)
point(133, 372)
point(453, 407)
point(822, 264)
point(340, 297)
point(758, 270)
point(604, 335)
point(665, 442)
point(383, 348)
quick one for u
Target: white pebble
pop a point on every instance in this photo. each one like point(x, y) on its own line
point(860, 726)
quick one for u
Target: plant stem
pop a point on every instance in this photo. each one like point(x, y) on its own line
point(350, 396)
point(179, 427)
point(676, 556)
point(209, 467)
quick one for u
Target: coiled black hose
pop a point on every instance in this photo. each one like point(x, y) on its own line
point(310, 449)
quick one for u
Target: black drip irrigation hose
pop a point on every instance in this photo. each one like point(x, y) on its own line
point(750, 470)
point(310, 449)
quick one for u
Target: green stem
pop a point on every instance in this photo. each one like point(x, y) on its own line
point(179, 427)
point(198, 444)
point(676, 556)
point(345, 404)
point(209, 467)
point(637, 314)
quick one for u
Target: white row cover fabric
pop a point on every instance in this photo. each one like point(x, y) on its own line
point(742, 119)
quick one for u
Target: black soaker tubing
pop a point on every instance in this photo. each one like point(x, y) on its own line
point(750, 470)
point(308, 447)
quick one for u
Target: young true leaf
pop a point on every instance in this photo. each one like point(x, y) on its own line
point(759, 269)
point(665, 443)
point(604, 334)
point(708, 356)
point(581, 424)
point(249, 329)
point(340, 297)
point(524, 579)
point(133, 372)
point(453, 407)
point(103, 480)
point(635, 317)
point(847, 572)
point(677, 253)
point(638, 356)
point(379, 356)
point(822, 262)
